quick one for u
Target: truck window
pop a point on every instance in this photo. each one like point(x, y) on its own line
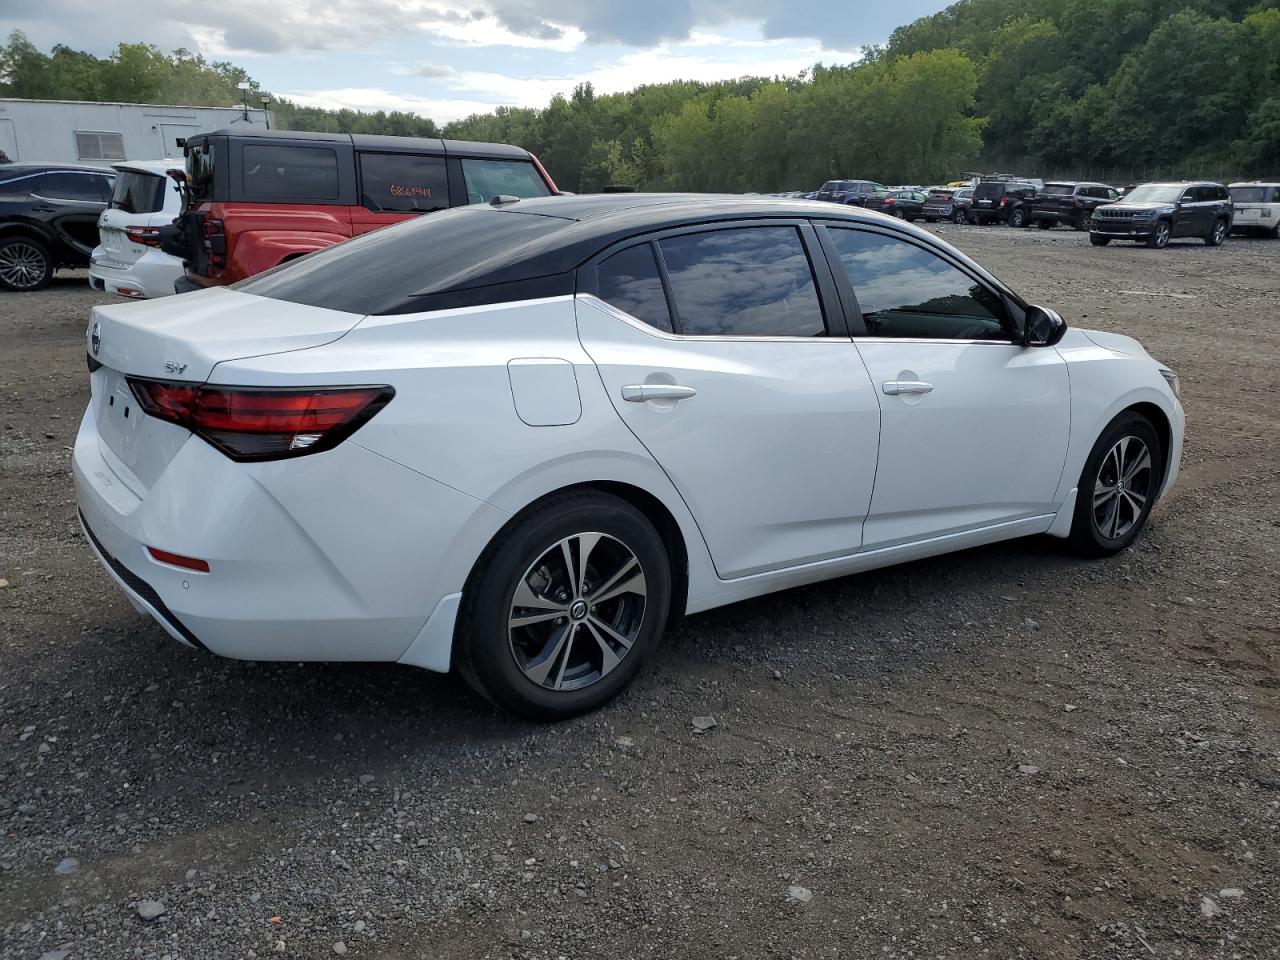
point(487, 179)
point(403, 182)
point(282, 173)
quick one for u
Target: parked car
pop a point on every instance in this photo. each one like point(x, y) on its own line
point(904, 204)
point(650, 375)
point(1257, 207)
point(948, 203)
point(851, 192)
point(1071, 203)
point(128, 260)
point(1155, 213)
point(1002, 201)
point(259, 198)
point(48, 220)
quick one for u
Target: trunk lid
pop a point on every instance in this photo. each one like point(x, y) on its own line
point(182, 339)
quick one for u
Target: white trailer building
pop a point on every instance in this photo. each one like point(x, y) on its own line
point(81, 131)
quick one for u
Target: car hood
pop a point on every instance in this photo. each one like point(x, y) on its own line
point(1121, 205)
point(1117, 342)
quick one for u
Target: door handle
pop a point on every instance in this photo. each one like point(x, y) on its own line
point(640, 392)
point(896, 388)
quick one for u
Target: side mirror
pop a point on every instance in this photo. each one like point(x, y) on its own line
point(1042, 327)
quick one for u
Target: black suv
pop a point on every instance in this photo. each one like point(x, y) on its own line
point(1070, 203)
point(48, 219)
point(1155, 213)
point(852, 192)
point(1002, 201)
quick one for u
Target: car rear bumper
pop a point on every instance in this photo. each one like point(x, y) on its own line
point(320, 560)
point(151, 275)
point(1056, 216)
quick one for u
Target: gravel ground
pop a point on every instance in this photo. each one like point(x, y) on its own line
point(1004, 753)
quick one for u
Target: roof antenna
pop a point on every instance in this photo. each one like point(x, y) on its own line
point(501, 198)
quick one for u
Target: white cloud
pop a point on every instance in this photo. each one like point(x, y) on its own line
point(375, 98)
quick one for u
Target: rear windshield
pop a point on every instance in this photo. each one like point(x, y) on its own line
point(138, 192)
point(990, 189)
point(1249, 194)
point(940, 194)
point(1059, 189)
point(378, 272)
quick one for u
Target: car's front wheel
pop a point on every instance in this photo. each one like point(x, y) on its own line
point(1159, 236)
point(1218, 234)
point(25, 264)
point(564, 606)
point(1098, 240)
point(1118, 486)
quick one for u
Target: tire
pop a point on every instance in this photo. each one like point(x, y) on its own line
point(1099, 241)
point(930, 219)
point(1108, 525)
point(1017, 217)
point(25, 264)
point(1084, 221)
point(959, 217)
point(1274, 232)
point(556, 666)
point(1160, 238)
point(897, 212)
point(1220, 230)
point(1044, 224)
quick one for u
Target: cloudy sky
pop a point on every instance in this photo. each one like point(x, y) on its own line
point(449, 58)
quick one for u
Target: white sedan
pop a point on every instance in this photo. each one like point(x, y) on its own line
point(522, 439)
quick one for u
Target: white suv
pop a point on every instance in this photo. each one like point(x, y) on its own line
point(128, 260)
point(1257, 208)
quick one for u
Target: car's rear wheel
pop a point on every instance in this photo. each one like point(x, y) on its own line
point(564, 606)
point(959, 217)
point(1218, 234)
point(1099, 241)
point(25, 264)
point(1274, 232)
point(1017, 217)
point(930, 219)
point(1118, 486)
point(1084, 221)
point(1044, 224)
point(1159, 235)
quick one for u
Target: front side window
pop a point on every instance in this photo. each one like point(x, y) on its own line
point(747, 281)
point(907, 291)
point(487, 179)
point(84, 188)
point(631, 282)
point(278, 173)
point(136, 192)
point(403, 182)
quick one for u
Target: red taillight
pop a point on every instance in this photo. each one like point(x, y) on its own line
point(178, 560)
point(888, 201)
point(215, 243)
point(147, 236)
point(1004, 201)
point(255, 423)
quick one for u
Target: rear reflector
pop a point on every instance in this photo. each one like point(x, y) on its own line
point(257, 423)
point(178, 560)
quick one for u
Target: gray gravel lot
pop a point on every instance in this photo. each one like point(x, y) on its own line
point(902, 766)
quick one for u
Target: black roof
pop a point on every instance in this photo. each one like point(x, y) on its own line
point(529, 248)
point(370, 141)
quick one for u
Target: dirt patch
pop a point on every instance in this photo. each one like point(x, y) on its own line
point(940, 778)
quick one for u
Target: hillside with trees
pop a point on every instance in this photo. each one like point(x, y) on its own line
point(1113, 89)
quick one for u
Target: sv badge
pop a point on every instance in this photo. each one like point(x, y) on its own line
point(172, 366)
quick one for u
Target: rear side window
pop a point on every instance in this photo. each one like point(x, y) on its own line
point(1249, 194)
point(391, 269)
point(138, 192)
point(200, 171)
point(86, 188)
point(749, 281)
point(278, 173)
point(631, 282)
point(907, 291)
point(403, 182)
point(487, 179)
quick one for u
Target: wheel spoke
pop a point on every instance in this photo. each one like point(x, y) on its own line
point(568, 652)
point(609, 632)
point(526, 598)
point(538, 668)
point(1102, 493)
point(1138, 498)
point(608, 659)
point(1140, 463)
point(616, 585)
point(586, 543)
point(1114, 524)
point(528, 620)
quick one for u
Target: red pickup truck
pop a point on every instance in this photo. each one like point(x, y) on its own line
point(258, 198)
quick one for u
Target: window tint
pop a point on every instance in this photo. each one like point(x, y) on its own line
point(282, 173)
point(487, 179)
point(200, 171)
point(1249, 194)
point(403, 182)
point(87, 188)
point(390, 269)
point(138, 192)
point(630, 281)
point(906, 291)
point(751, 281)
point(96, 145)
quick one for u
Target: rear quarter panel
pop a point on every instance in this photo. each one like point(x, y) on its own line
point(262, 235)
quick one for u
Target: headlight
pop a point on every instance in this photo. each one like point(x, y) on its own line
point(1171, 378)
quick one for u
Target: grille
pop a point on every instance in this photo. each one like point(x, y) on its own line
point(1114, 214)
